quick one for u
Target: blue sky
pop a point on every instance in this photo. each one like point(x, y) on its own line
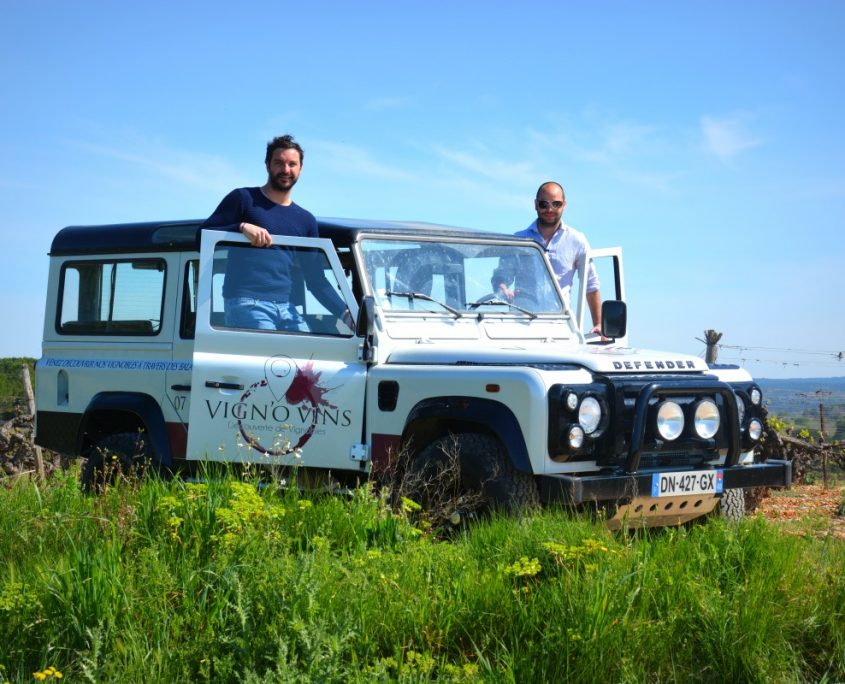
point(705, 138)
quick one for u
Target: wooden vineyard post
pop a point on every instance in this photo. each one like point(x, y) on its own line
point(711, 338)
point(821, 444)
point(30, 398)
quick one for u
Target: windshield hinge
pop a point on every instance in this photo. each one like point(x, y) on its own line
point(368, 353)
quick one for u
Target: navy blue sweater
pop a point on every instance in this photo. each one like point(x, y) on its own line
point(265, 273)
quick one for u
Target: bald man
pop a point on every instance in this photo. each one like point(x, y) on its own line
point(565, 246)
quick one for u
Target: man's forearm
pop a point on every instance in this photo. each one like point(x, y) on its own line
point(594, 302)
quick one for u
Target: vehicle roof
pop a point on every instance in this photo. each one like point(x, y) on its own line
point(164, 236)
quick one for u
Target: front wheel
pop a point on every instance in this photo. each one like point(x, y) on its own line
point(473, 466)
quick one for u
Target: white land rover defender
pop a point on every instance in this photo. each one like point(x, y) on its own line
point(138, 361)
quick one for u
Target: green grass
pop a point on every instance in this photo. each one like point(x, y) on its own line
point(171, 582)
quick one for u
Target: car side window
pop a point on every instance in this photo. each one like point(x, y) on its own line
point(111, 297)
point(277, 289)
point(188, 318)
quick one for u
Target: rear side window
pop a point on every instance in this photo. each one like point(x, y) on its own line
point(188, 319)
point(111, 297)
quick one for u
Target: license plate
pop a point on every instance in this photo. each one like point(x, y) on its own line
point(686, 483)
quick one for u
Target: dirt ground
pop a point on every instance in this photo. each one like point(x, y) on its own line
point(806, 508)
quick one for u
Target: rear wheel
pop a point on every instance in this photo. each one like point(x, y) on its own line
point(123, 454)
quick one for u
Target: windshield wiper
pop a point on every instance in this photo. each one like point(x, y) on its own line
point(495, 299)
point(419, 295)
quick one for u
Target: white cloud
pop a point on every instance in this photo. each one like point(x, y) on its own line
point(618, 141)
point(11, 184)
point(727, 137)
point(350, 159)
point(620, 149)
point(184, 167)
point(484, 162)
point(815, 187)
point(378, 104)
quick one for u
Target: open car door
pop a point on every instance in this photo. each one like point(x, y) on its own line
point(276, 396)
point(608, 264)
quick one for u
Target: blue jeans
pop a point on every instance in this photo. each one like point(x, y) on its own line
point(262, 314)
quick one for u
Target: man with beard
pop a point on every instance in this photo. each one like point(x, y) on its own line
point(259, 282)
point(565, 246)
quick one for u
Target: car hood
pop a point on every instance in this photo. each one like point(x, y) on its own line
point(601, 359)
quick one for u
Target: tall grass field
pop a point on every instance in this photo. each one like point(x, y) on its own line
point(226, 581)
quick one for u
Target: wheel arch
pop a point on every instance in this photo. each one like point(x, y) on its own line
point(112, 412)
point(434, 417)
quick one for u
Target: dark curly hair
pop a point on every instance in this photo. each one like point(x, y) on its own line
point(283, 142)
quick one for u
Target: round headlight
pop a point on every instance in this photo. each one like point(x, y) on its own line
point(706, 419)
point(756, 397)
point(670, 420)
point(589, 415)
point(755, 429)
point(576, 437)
point(572, 401)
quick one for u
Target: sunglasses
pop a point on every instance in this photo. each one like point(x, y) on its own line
point(545, 204)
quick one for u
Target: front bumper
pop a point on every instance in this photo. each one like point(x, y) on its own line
point(622, 487)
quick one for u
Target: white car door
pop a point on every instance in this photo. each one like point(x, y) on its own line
point(608, 264)
point(270, 396)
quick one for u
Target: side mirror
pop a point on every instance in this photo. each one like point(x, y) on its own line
point(364, 327)
point(366, 316)
point(614, 318)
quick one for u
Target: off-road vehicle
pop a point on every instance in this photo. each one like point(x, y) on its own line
point(138, 362)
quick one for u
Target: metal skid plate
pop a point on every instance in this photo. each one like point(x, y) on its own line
point(648, 511)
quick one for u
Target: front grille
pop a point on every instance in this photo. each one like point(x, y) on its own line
point(677, 458)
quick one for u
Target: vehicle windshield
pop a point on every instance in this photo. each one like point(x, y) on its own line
point(460, 277)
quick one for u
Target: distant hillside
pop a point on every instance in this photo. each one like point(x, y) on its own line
point(794, 400)
point(11, 383)
point(797, 400)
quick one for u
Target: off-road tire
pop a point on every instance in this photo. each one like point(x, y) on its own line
point(484, 469)
point(123, 454)
point(732, 505)
point(432, 477)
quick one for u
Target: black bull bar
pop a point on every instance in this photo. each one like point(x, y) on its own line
point(618, 486)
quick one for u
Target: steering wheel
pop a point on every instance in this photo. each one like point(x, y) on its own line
point(492, 298)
